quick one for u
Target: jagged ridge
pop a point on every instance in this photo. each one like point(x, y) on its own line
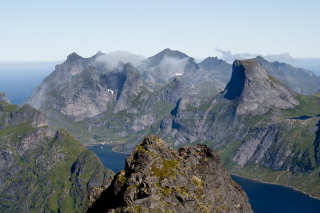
point(159, 179)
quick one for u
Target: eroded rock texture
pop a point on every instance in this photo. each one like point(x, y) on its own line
point(159, 179)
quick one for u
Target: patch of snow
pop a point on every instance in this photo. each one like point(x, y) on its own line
point(177, 74)
point(109, 90)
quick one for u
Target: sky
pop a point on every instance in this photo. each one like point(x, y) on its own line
point(51, 30)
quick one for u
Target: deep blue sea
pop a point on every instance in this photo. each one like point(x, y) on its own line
point(264, 198)
point(19, 80)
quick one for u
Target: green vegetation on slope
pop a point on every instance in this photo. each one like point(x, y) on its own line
point(42, 169)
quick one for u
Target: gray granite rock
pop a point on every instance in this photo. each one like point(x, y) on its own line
point(159, 179)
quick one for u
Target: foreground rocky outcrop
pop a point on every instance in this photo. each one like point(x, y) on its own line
point(159, 179)
point(40, 171)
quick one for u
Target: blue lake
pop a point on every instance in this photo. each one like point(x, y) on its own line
point(110, 159)
point(264, 198)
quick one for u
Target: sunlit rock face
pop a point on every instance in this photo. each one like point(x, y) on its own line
point(159, 179)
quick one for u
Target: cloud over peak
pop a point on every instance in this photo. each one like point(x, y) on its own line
point(230, 57)
point(113, 59)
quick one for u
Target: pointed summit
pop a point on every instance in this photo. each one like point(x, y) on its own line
point(255, 91)
point(260, 59)
point(99, 53)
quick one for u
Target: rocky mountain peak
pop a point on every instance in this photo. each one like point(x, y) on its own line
point(73, 56)
point(211, 62)
point(130, 84)
point(4, 97)
point(255, 90)
point(260, 59)
point(158, 178)
point(172, 53)
point(156, 59)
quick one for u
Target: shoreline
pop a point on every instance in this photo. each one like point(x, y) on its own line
point(259, 181)
point(113, 149)
point(108, 144)
point(115, 145)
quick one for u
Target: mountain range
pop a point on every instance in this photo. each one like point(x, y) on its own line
point(251, 112)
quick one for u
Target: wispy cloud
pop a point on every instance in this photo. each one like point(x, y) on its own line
point(170, 63)
point(312, 64)
point(230, 57)
point(113, 59)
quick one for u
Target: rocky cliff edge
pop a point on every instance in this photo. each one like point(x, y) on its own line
point(255, 91)
point(157, 178)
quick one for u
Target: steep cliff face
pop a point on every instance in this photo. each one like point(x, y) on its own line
point(40, 172)
point(84, 97)
point(92, 92)
point(4, 97)
point(159, 179)
point(255, 91)
point(132, 86)
point(61, 76)
point(255, 125)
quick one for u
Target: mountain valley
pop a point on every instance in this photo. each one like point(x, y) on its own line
point(253, 123)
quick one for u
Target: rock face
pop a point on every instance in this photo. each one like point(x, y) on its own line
point(159, 179)
point(13, 115)
point(4, 97)
point(255, 91)
point(41, 172)
point(60, 77)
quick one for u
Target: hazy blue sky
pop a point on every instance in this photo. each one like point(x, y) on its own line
point(44, 31)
